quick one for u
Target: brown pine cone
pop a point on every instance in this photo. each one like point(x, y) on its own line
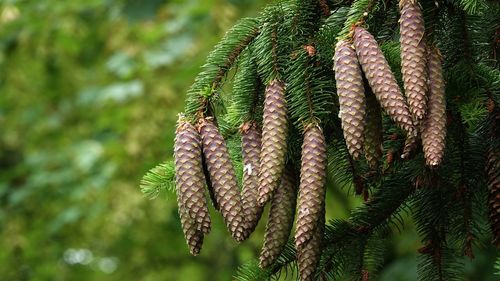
point(434, 125)
point(222, 177)
point(274, 145)
point(280, 220)
point(413, 57)
point(493, 172)
point(411, 144)
point(350, 90)
point(309, 255)
point(312, 183)
point(189, 176)
point(373, 131)
point(194, 237)
point(381, 79)
point(251, 143)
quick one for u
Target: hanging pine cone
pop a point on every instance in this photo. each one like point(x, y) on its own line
point(381, 79)
point(312, 183)
point(250, 143)
point(434, 126)
point(351, 95)
point(309, 255)
point(274, 134)
point(493, 171)
point(222, 177)
point(210, 188)
point(189, 176)
point(411, 144)
point(280, 220)
point(194, 237)
point(373, 131)
point(413, 57)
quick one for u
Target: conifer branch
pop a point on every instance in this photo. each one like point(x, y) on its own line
point(294, 43)
point(374, 214)
point(158, 179)
point(464, 191)
point(357, 15)
point(309, 92)
point(245, 103)
point(472, 7)
point(271, 46)
point(219, 61)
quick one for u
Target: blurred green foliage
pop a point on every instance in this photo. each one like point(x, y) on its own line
point(89, 95)
point(89, 92)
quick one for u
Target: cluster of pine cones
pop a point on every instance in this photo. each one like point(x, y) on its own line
point(422, 115)
point(202, 157)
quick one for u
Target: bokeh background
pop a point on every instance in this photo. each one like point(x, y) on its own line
point(89, 96)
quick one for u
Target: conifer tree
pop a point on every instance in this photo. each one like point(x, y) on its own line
point(328, 82)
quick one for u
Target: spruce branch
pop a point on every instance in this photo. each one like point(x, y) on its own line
point(305, 21)
point(218, 63)
point(245, 103)
point(358, 14)
point(464, 189)
point(293, 42)
point(326, 37)
point(270, 47)
point(309, 91)
point(473, 7)
point(159, 179)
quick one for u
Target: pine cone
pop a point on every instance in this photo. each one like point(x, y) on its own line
point(434, 125)
point(312, 184)
point(210, 188)
point(411, 144)
point(251, 143)
point(309, 255)
point(413, 57)
point(274, 134)
point(194, 237)
point(373, 131)
point(381, 79)
point(222, 177)
point(280, 220)
point(189, 176)
point(351, 95)
point(493, 171)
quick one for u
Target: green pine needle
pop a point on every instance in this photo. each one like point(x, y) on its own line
point(159, 179)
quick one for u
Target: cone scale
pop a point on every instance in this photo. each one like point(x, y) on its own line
point(434, 126)
point(280, 220)
point(410, 146)
point(350, 90)
point(312, 184)
point(309, 254)
point(381, 79)
point(373, 131)
point(250, 144)
point(274, 134)
point(413, 58)
point(193, 236)
point(190, 182)
point(222, 177)
point(493, 172)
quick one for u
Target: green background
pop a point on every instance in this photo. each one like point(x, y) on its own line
point(89, 96)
